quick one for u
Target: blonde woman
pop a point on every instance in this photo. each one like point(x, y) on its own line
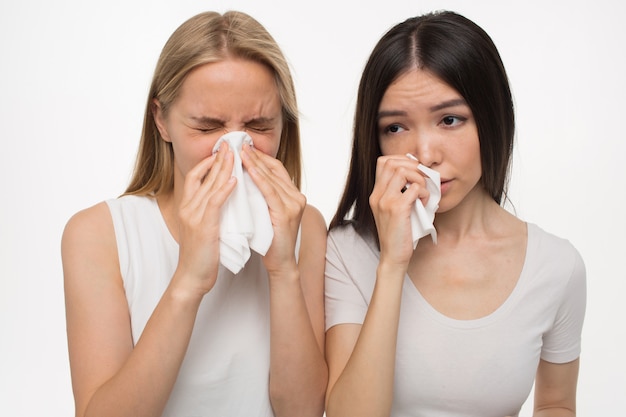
point(156, 326)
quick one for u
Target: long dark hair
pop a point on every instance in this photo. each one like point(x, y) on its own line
point(462, 55)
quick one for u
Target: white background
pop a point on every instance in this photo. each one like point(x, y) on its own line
point(73, 82)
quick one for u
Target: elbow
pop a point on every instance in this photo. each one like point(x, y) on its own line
point(305, 401)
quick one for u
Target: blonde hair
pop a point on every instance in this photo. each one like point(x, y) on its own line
point(205, 38)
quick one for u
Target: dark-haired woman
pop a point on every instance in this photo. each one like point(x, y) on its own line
point(464, 324)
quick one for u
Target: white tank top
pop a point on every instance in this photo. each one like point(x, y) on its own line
point(226, 369)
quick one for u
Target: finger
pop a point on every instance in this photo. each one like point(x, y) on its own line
point(254, 159)
point(284, 199)
point(204, 182)
point(222, 168)
point(413, 192)
point(197, 174)
point(280, 195)
point(396, 174)
point(267, 171)
point(219, 176)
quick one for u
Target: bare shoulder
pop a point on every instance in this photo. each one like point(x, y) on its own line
point(313, 222)
point(90, 223)
point(89, 240)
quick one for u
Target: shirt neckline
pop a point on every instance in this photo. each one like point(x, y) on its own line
point(411, 291)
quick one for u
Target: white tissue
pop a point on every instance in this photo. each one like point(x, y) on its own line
point(245, 219)
point(422, 217)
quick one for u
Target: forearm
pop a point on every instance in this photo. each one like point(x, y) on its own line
point(143, 384)
point(298, 372)
point(365, 387)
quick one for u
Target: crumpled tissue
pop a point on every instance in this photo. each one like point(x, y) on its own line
point(423, 216)
point(245, 222)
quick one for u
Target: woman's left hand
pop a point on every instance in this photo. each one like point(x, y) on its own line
point(285, 202)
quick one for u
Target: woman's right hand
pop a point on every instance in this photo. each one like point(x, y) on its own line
point(206, 188)
point(399, 183)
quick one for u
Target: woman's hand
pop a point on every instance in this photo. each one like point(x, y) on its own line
point(285, 202)
point(207, 187)
point(398, 185)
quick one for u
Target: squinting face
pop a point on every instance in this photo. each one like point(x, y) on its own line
point(421, 115)
point(216, 98)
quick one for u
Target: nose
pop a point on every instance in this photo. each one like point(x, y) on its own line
point(427, 150)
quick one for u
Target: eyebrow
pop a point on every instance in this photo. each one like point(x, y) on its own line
point(443, 105)
point(260, 120)
point(450, 103)
point(206, 120)
point(212, 120)
point(390, 113)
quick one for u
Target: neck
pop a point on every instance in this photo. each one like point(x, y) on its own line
point(477, 215)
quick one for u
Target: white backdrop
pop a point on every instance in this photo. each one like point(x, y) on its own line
point(73, 82)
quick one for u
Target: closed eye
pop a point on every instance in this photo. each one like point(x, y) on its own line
point(260, 129)
point(205, 124)
point(207, 129)
point(261, 124)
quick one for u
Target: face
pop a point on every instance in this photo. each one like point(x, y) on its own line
point(216, 98)
point(421, 115)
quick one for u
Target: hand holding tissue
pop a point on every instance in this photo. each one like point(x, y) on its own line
point(423, 216)
point(245, 220)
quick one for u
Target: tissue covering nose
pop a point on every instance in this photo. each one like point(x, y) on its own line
point(245, 220)
point(422, 217)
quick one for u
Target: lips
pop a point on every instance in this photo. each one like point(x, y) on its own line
point(445, 184)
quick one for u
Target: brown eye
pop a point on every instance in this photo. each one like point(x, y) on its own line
point(451, 121)
point(448, 121)
point(393, 129)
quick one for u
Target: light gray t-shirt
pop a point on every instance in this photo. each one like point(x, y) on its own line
point(483, 367)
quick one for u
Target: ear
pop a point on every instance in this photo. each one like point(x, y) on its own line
point(159, 119)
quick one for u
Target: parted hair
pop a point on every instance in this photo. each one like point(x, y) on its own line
point(463, 56)
point(205, 38)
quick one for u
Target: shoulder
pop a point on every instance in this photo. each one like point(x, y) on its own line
point(91, 233)
point(313, 224)
point(552, 256)
point(91, 223)
point(88, 244)
point(347, 236)
point(351, 252)
point(97, 222)
point(312, 235)
point(551, 245)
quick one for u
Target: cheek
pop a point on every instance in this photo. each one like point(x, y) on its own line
point(189, 153)
point(266, 144)
point(395, 146)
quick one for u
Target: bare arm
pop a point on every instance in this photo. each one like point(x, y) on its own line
point(298, 372)
point(109, 376)
point(555, 389)
point(362, 358)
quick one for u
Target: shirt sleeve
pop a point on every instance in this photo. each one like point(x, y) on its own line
point(562, 343)
point(344, 300)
